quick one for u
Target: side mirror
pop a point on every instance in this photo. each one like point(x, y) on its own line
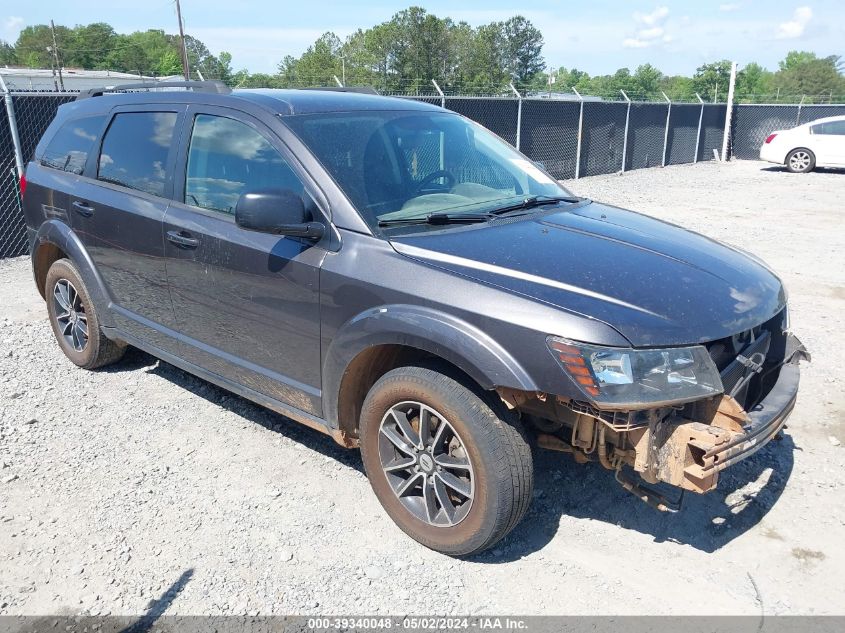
point(276, 211)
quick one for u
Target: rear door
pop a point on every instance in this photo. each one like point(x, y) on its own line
point(829, 141)
point(246, 303)
point(118, 208)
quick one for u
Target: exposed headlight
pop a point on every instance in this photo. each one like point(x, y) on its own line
point(625, 378)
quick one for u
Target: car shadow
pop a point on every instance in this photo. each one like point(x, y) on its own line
point(136, 359)
point(819, 170)
point(745, 494)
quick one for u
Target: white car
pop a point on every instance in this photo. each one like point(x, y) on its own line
point(819, 143)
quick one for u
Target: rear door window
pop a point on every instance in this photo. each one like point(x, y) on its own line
point(135, 149)
point(69, 148)
point(835, 128)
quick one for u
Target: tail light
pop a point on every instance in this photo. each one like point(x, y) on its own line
point(23, 185)
point(770, 138)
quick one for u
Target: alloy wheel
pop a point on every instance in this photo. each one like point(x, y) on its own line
point(70, 315)
point(426, 464)
point(799, 161)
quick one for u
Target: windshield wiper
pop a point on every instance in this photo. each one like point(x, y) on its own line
point(538, 201)
point(439, 218)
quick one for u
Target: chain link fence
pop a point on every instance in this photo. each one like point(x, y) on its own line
point(570, 138)
point(32, 113)
point(753, 123)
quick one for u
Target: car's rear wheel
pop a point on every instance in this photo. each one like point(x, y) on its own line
point(800, 161)
point(449, 465)
point(75, 323)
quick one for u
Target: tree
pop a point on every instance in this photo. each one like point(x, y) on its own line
point(752, 82)
point(87, 46)
point(523, 47)
point(803, 73)
point(8, 55)
point(646, 81)
point(712, 79)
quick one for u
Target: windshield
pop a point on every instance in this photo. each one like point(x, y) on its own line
point(399, 164)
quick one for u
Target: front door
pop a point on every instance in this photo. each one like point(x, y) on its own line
point(246, 303)
point(829, 142)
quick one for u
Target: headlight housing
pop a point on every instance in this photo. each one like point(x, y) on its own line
point(627, 378)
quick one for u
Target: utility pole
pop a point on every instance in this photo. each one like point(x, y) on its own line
point(185, 69)
point(56, 56)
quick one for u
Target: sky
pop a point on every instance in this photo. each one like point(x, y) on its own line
point(596, 36)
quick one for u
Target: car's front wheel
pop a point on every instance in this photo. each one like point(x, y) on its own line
point(450, 466)
point(800, 161)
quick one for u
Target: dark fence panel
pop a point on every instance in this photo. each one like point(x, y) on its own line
point(712, 130)
point(602, 138)
point(646, 131)
point(497, 115)
point(12, 229)
point(812, 112)
point(550, 134)
point(683, 130)
point(33, 114)
point(753, 123)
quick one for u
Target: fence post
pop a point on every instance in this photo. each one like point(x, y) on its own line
point(666, 131)
point(698, 136)
point(800, 105)
point(13, 127)
point(518, 116)
point(729, 113)
point(580, 131)
point(625, 138)
point(440, 92)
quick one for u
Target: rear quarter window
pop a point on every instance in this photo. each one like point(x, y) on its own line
point(69, 148)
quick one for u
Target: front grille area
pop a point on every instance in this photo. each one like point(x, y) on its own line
point(748, 361)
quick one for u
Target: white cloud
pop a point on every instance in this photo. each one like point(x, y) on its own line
point(795, 27)
point(656, 16)
point(731, 6)
point(651, 29)
point(650, 34)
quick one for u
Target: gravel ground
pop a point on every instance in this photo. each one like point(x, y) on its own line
point(140, 483)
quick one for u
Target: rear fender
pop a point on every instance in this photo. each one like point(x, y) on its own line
point(62, 236)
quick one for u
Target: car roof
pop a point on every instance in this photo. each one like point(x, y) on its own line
point(285, 102)
point(314, 101)
point(826, 119)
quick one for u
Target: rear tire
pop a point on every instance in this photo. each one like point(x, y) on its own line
point(74, 320)
point(462, 476)
point(800, 161)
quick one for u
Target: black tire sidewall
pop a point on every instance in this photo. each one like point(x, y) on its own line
point(469, 416)
point(64, 269)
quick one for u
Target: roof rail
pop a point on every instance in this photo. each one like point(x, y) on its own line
point(364, 90)
point(213, 87)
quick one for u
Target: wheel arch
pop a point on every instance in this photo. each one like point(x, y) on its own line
point(387, 337)
point(56, 240)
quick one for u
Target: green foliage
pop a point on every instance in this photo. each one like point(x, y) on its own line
point(413, 48)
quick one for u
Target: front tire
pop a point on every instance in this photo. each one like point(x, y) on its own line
point(75, 322)
point(450, 466)
point(800, 161)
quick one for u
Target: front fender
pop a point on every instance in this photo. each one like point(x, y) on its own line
point(62, 236)
point(454, 340)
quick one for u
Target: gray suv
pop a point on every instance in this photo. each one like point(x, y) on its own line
point(398, 277)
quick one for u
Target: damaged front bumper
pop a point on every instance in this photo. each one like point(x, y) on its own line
point(691, 453)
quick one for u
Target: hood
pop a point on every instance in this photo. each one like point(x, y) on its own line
point(654, 282)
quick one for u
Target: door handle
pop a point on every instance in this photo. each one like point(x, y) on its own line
point(181, 240)
point(83, 208)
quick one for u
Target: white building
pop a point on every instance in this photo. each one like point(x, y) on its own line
point(40, 80)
